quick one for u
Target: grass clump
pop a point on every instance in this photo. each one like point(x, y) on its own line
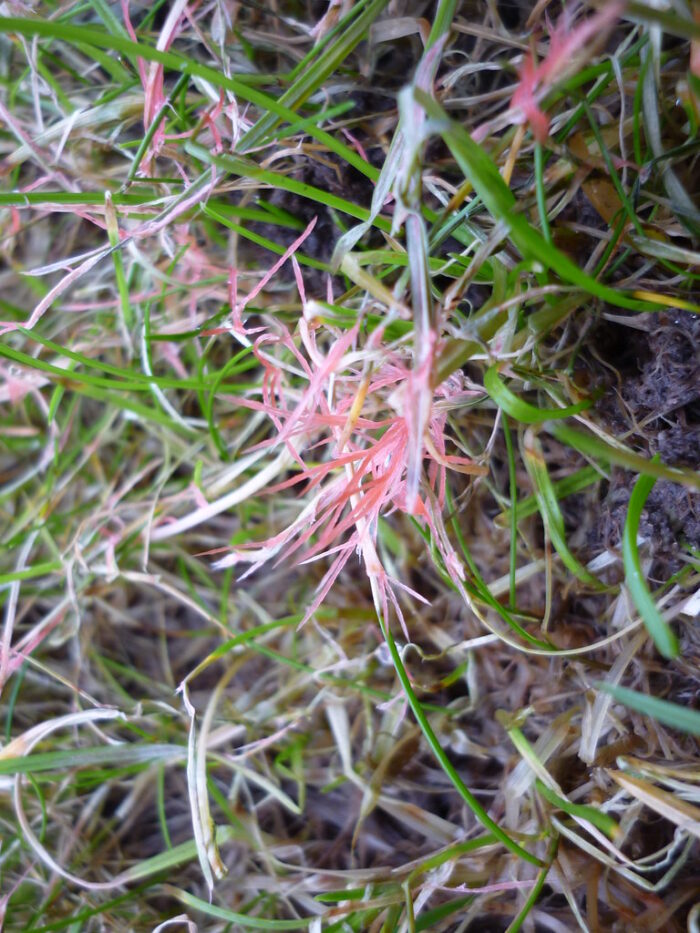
point(349, 423)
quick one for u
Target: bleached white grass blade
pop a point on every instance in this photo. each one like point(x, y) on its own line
point(22, 746)
point(257, 482)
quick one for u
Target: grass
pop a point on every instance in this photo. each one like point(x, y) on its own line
point(348, 467)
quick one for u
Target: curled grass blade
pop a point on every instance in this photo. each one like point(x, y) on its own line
point(521, 410)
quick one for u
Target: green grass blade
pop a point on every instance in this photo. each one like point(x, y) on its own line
point(118, 755)
point(445, 763)
point(119, 273)
point(444, 15)
point(246, 169)
point(97, 39)
point(325, 40)
point(671, 22)
point(595, 817)
point(513, 491)
point(500, 202)
point(481, 591)
point(670, 714)
point(152, 129)
point(263, 241)
point(521, 410)
point(533, 896)
point(172, 857)
point(549, 508)
point(612, 171)
point(29, 573)
point(313, 76)
point(527, 506)
point(664, 638)
point(77, 920)
point(429, 920)
point(131, 380)
point(599, 450)
point(230, 916)
point(540, 192)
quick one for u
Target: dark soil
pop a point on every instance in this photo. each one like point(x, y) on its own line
point(343, 181)
point(650, 377)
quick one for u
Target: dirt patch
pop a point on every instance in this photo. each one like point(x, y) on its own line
point(649, 375)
